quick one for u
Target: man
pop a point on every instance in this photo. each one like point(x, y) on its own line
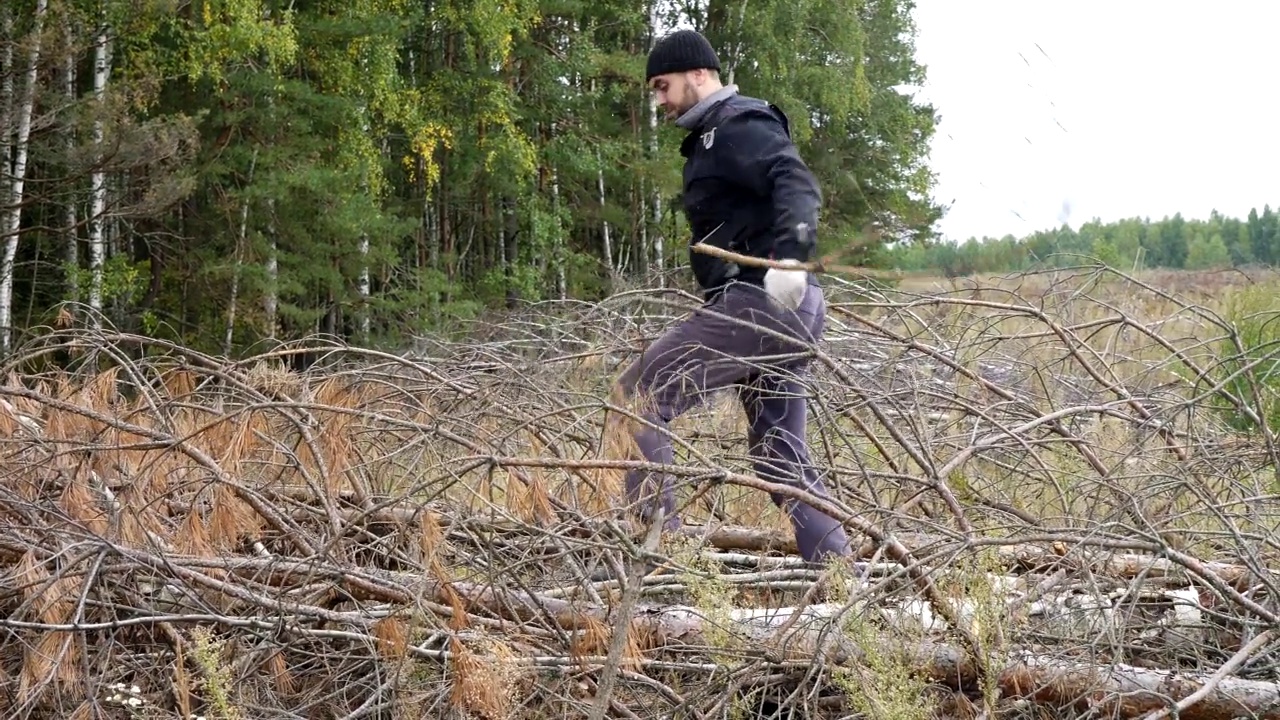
point(746, 190)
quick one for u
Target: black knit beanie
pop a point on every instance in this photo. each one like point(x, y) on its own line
point(680, 51)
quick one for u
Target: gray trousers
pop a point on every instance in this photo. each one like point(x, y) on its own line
point(725, 343)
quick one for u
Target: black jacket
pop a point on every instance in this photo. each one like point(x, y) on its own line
point(746, 189)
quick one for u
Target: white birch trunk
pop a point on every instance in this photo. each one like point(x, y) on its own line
point(604, 223)
point(736, 56)
point(13, 218)
point(271, 264)
point(659, 264)
point(97, 181)
point(7, 41)
point(364, 286)
point(559, 248)
point(237, 260)
point(656, 203)
point(7, 98)
point(624, 258)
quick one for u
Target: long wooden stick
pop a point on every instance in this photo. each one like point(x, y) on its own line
point(813, 266)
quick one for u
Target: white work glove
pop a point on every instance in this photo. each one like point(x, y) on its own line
point(786, 287)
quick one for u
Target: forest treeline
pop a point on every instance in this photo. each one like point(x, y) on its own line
point(225, 173)
point(1171, 242)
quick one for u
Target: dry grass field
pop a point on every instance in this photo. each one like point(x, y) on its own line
point(1063, 488)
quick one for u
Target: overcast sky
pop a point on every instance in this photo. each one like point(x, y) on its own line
point(1063, 111)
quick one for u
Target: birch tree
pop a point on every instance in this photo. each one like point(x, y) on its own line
point(97, 181)
point(23, 111)
point(7, 79)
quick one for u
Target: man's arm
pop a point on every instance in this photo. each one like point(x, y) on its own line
point(758, 148)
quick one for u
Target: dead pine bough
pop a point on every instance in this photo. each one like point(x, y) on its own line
point(1061, 490)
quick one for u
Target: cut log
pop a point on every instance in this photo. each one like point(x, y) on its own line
point(1129, 691)
point(790, 634)
point(1112, 690)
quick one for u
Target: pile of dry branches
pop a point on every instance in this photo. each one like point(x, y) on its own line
point(1047, 515)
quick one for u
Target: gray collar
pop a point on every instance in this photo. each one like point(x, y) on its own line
point(694, 115)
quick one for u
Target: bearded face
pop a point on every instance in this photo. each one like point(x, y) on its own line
point(677, 92)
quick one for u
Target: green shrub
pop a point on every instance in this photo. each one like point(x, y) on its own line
point(1247, 359)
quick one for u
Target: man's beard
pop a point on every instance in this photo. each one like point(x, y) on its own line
point(686, 104)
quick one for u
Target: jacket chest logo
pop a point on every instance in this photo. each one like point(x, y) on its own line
point(708, 138)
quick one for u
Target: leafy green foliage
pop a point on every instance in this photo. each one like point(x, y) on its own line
point(375, 169)
point(1246, 363)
